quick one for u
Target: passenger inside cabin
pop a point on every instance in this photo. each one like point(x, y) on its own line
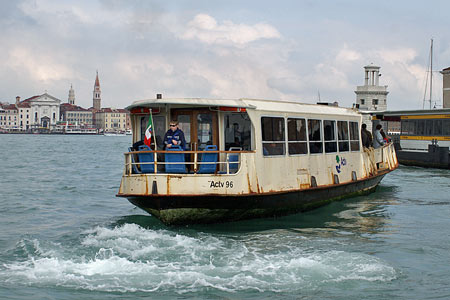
point(174, 136)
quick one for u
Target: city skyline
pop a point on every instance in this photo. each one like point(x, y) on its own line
point(227, 49)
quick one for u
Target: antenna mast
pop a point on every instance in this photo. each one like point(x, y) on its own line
point(431, 71)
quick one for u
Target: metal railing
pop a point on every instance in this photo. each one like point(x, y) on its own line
point(228, 162)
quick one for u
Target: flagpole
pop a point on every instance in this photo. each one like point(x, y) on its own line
point(153, 129)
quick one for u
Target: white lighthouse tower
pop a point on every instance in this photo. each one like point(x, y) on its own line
point(371, 96)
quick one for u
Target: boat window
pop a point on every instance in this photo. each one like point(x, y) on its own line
point(329, 132)
point(428, 127)
point(405, 127)
point(204, 130)
point(315, 137)
point(354, 136)
point(343, 136)
point(159, 124)
point(297, 143)
point(437, 127)
point(273, 136)
point(420, 127)
point(237, 131)
point(446, 127)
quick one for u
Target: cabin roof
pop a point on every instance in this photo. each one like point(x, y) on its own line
point(189, 101)
point(255, 104)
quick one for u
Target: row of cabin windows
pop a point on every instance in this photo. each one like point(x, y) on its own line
point(426, 127)
point(308, 136)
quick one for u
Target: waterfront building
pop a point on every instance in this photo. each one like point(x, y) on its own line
point(111, 119)
point(446, 87)
point(24, 110)
point(76, 115)
point(2, 116)
point(10, 116)
point(371, 96)
point(38, 112)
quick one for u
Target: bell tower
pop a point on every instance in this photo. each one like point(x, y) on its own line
point(71, 99)
point(96, 100)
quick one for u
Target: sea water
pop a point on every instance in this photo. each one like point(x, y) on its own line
point(64, 235)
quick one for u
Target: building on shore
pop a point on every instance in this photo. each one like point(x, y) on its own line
point(108, 119)
point(44, 113)
point(76, 115)
point(111, 119)
point(446, 87)
point(2, 116)
point(10, 117)
point(38, 112)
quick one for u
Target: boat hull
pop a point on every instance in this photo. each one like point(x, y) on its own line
point(202, 209)
point(435, 157)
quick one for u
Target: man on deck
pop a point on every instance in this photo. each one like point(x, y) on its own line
point(174, 136)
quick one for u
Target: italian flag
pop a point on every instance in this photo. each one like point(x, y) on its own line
point(149, 130)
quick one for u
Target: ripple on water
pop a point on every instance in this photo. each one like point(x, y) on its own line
point(131, 258)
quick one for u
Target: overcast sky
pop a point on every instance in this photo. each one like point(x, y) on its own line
point(221, 49)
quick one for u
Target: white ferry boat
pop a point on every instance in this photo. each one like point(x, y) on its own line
point(248, 158)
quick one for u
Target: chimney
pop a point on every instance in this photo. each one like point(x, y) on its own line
point(17, 100)
point(158, 96)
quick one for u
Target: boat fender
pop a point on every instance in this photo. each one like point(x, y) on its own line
point(313, 181)
point(336, 179)
point(154, 188)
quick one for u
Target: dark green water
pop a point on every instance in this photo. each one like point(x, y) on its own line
point(64, 235)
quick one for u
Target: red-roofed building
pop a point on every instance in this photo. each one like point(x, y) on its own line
point(111, 120)
point(76, 115)
point(37, 112)
point(9, 117)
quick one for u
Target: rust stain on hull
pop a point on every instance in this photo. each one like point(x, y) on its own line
point(146, 185)
point(307, 187)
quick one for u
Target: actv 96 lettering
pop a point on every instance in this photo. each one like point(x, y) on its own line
point(220, 184)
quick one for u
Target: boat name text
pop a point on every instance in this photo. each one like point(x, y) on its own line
point(217, 184)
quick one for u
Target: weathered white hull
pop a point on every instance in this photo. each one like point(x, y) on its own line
point(278, 187)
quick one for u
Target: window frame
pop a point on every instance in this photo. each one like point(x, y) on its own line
point(358, 133)
point(283, 135)
point(335, 140)
point(310, 141)
point(347, 140)
point(297, 141)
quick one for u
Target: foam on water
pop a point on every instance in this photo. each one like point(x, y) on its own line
point(131, 258)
